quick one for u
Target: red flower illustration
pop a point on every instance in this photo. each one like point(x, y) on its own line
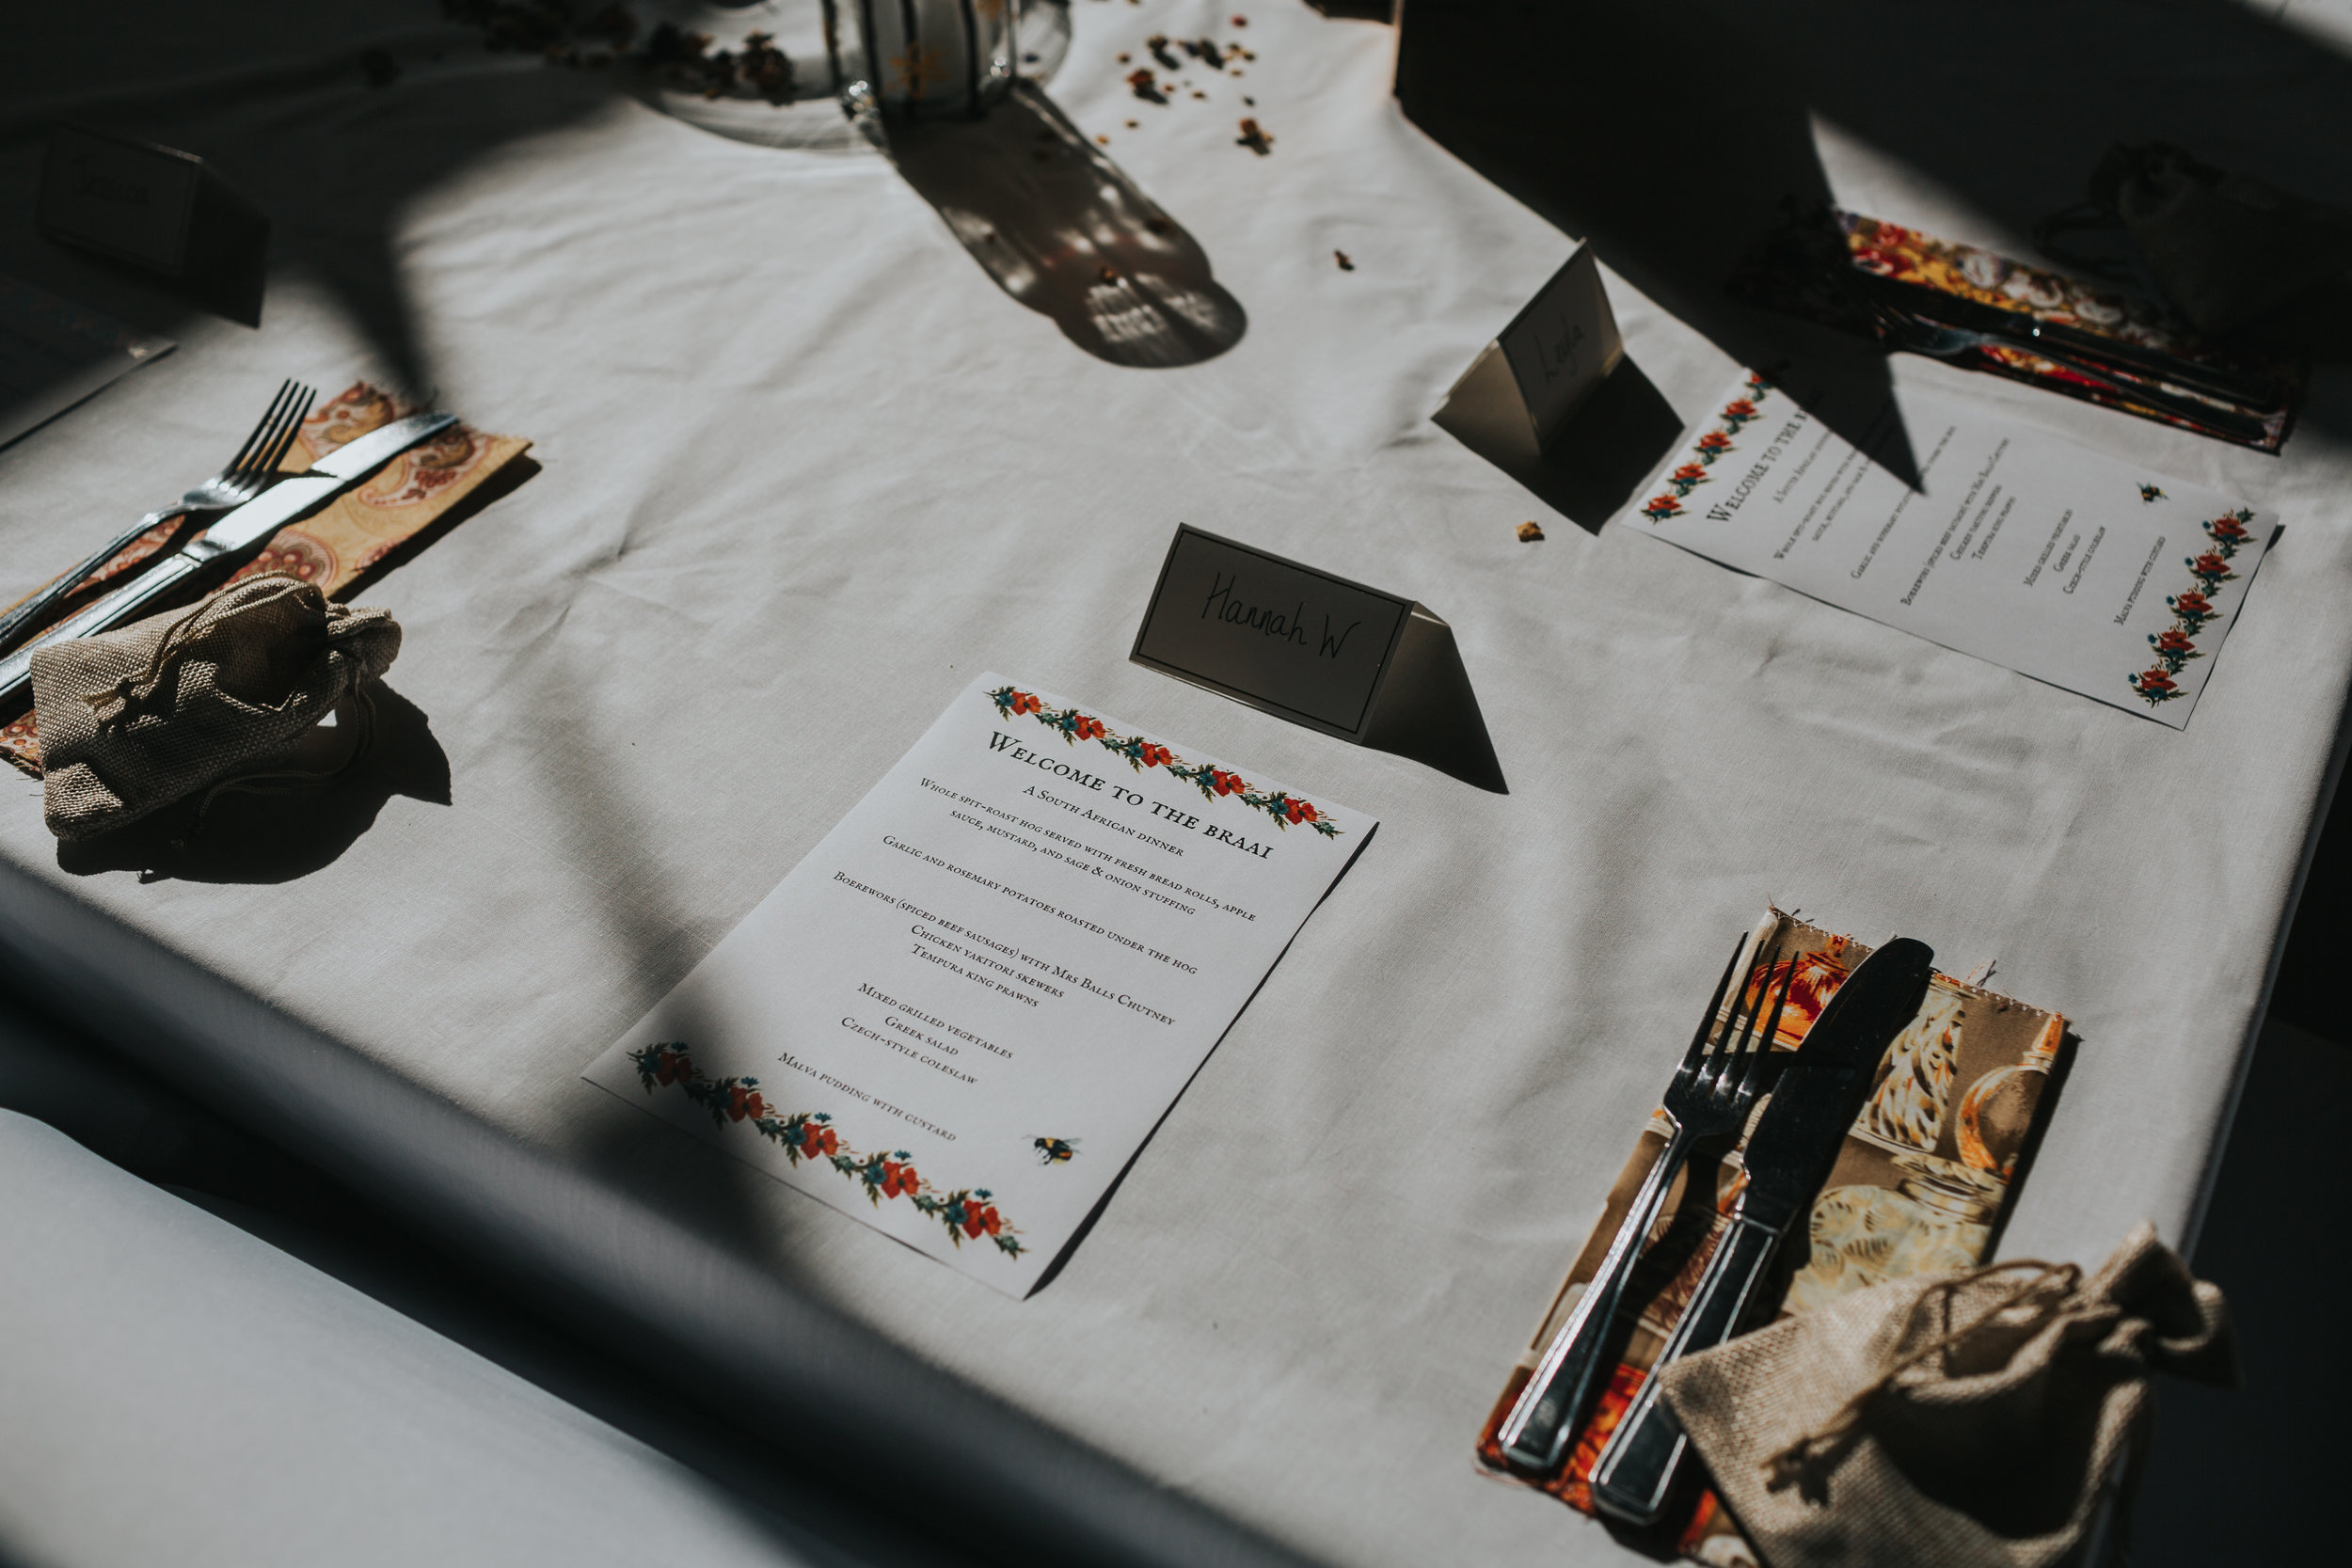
point(1023, 702)
point(1156, 755)
point(1225, 783)
point(1691, 471)
point(1715, 440)
point(1740, 408)
point(2227, 530)
point(2192, 603)
point(2209, 565)
point(1085, 728)
point(809, 1136)
point(1298, 811)
point(2174, 641)
point(2155, 680)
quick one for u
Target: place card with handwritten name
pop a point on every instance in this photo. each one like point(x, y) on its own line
point(1316, 649)
point(961, 1016)
point(1524, 388)
point(156, 208)
point(1993, 538)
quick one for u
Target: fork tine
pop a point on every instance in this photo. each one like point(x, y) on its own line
point(1763, 973)
point(1735, 1054)
point(1692, 1057)
point(294, 415)
point(1753, 1077)
point(262, 428)
point(289, 424)
point(1727, 1045)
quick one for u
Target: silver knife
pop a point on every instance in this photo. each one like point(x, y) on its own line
point(227, 541)
point(1789, 1156)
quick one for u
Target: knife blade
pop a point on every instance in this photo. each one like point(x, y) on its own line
point(223, 546)
point(1789, 1156)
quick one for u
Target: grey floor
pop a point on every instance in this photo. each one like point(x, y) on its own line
point(2233, 1474)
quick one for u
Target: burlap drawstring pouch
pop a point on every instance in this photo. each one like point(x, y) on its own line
point(1970, 1420)
point(197, 699)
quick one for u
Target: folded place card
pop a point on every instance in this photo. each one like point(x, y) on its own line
point(158, 208)
point(961, 1016)
point(2011, 544)
point(1318, 650)
point(1520, 392)
point(1927, 1171)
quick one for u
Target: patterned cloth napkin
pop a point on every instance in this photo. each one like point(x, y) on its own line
point(1920, 1188)
point(1785, 274)
point(363, 532)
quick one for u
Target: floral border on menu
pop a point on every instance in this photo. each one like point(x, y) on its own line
point(1214, 783)
point(2193, 610)
point(810, 1135)
point(1738, 413)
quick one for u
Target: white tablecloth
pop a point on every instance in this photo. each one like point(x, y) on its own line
point(806, 469)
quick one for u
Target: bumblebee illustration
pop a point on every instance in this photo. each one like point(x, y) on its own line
point(1055, 1151)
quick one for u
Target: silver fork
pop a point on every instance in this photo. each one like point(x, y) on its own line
point(1939, 340)
point(1709, 1099)
point(248, 473)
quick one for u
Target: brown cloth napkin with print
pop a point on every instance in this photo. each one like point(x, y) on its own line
point(344, 546)
point(138, 718)
point(1968, 1420)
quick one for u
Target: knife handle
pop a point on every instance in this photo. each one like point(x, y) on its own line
point(13, 624)
point(125, 603)
point(1636, 1472)
point(1535, 1437)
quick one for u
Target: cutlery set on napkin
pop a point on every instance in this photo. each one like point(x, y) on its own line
point(1781, 1344)
point(1977, 310)
point(158, 683)
point(1787, 1156)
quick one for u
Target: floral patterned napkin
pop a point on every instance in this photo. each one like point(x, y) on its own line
point(1920, 1188)
point(348, 543)
point(1786, 273)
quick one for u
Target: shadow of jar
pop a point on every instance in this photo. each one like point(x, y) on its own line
point(1065, 231)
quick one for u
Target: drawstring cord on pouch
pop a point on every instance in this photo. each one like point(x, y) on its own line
point(134, 689)
point(1821, 1446)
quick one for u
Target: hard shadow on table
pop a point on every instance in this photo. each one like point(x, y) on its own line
point(1670, 136)
point(333, 157)
point(125, 1114)
point(279, 835)
point(1063, 229)
point(2250, 1475)
point(1668, 200)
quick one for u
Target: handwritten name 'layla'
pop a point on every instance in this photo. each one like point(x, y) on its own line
point(1224, 604)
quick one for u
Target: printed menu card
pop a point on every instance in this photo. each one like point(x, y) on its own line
point(963, 1012)
point(2015, 546)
